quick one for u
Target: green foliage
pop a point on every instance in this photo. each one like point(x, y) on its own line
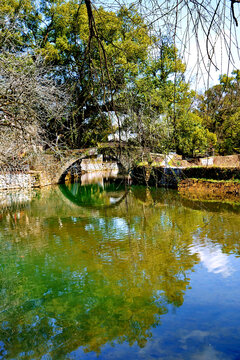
point(220, 109)
point(99, 65)
point(193, 138)
point(19, 23)
point(96, 130)
point(159, 107)
point(231, 129)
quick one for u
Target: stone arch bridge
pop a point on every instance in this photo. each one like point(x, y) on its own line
point(51, 168)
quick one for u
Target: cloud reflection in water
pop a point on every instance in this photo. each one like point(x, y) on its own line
point(212, 257)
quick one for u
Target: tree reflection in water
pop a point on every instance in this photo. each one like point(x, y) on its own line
point(104, 269)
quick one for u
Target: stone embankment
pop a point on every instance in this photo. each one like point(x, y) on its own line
point(196, 182)
point(12, 180)
point(220, 161)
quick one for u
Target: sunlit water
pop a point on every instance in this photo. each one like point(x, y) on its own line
point(109, 271)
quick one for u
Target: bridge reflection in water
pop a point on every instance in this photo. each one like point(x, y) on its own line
point(97, 177)
point(97, 189)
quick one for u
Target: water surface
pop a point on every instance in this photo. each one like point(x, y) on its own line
point(108, 271)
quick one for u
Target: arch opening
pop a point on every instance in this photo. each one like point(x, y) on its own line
point(75, 168)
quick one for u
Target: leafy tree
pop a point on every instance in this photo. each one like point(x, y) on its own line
point(193, 138)
point(93, 60)
point(97, 60)
point(159, 106)
point(219, 108)
point(19, 23)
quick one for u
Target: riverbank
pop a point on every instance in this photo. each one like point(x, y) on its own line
point(205, 189)
point(172, 176)
point(195, 183)
point(162, 171)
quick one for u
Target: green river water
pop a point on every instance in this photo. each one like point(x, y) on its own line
point(106, 271)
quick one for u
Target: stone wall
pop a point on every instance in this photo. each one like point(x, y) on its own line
point(221, 161)
point(90, 165)
point(19, 180)
point(48, 168)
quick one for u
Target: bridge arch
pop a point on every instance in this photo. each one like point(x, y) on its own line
point(67, 163)
point(62, 163)
point(65, 168)
point(68, 159)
